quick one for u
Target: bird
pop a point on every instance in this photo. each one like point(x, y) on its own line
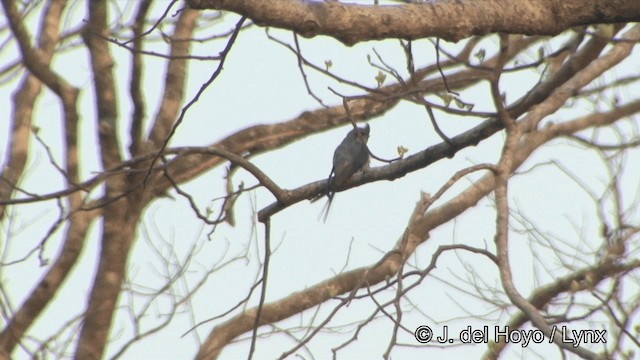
point(349, 157)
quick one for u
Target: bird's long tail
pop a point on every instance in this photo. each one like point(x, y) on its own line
point(324, 213)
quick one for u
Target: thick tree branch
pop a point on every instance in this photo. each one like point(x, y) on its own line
point(135, 89)
point(173, 94)
point(31, 58)
point(102, 65)
point(120, 216)
point(351, 23)
point(24, 101)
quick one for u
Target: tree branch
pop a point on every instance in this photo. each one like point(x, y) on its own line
point(351, 23)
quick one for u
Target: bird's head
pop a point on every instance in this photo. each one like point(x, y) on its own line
point(362, 134)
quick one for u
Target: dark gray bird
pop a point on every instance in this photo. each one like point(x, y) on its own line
point(350, 156)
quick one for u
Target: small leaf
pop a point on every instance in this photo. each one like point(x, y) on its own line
point(447, 98)
point(328, 64)
point(402, 150)
point(380, 78)
point(480, 55)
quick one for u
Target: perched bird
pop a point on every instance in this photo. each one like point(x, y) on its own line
point(350, 156)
